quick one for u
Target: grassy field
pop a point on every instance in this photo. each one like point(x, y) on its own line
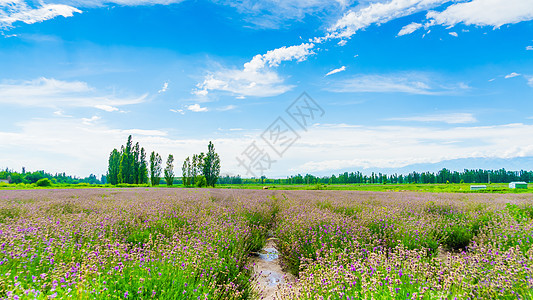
point(433, 188)
point(144, 243)
point(500, 188)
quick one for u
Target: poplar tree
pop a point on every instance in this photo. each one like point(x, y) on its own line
point(185, 172)
point(155, 168)
point(169, 170)
point(211, 165)
point(113, 167)
point(143, 169)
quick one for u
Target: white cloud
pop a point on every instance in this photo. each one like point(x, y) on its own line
point(49, 92)
point(78, 146)
point(343, 68)
point(227, 107)
point(511, 75)
point(107, 108)
point(61, 113)
point(411, 83)
point(452, 118)
point(89, 121)
point(398, 146)
point(257, 78)
point(530, 81)
point(453, 34)
point(274, 57)
point(12, 11)
point(484, 13)
point(529, 48)
point(378, 13)
point(275, 13)
point(408, 29)
point(72, 146)
point(164, 88)
point(243, 83)
point(145, 132)
point(196, 108)
point(178, 111)
point(342, 43)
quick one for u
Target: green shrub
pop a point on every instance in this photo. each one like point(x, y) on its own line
point(457, 237)
point(200, 181)
point(43, 182)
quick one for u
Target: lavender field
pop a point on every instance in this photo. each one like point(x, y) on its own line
point(199, 244)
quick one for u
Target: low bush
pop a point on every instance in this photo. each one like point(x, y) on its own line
point(43, 182)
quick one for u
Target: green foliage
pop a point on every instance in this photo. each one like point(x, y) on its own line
point(155, 168)
point(127, 165)
point(200, 181)
point(211, 165)
point(169, 170)
point(520, 213)
point(457, 237)
point(34, 177)
point(207, 165)
point(185, 169)
point(43, 182)
point(113, 167)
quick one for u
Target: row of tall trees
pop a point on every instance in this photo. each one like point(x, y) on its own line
point(203, 169)
point(128, 165)
point(442, 176)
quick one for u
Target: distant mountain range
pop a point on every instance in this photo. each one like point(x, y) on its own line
point(509, 164)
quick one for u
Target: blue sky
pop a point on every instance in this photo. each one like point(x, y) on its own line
point(400, 82)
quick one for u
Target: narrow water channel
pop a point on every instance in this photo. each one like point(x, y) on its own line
point(269, 277)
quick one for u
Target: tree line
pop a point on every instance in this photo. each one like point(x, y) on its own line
point(58, 178)
point(442, 176)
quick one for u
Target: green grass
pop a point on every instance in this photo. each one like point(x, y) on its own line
point(499, 188)
point(495, 188)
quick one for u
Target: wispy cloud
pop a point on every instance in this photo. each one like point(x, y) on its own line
point(453, 33)
point(410, 83)
point(275, 13)
point(529, 48)
point(530, 81)
point(452, 118)
point(378, 13)
point(164, 88)
point(495, 13)
point(107, 108)
point(12, 11)
point(343, 68)
point(408, 29)
point(89, 121)
point(411, 145)
point(49, 92)
point(511, 75)
point(227, 107)
point(178, 111)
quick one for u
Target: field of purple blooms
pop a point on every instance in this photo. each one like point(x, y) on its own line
point(196, 244)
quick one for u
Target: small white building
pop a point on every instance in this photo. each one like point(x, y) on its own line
point(518, 185)
point(478, 187)
point(4, 181)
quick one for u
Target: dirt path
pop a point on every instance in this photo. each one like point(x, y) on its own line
point(269, 277)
